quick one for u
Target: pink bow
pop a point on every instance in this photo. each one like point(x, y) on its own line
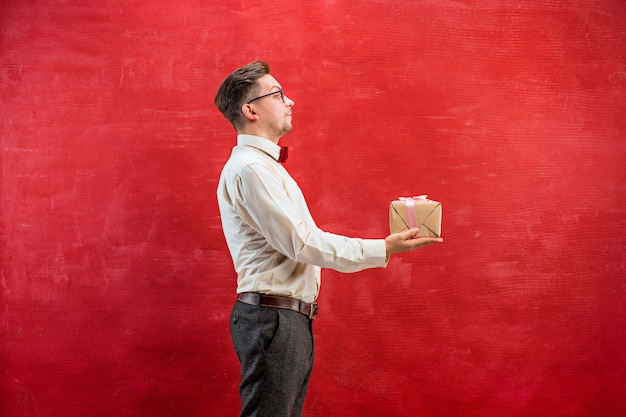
point(410, 207)
point(414, 198)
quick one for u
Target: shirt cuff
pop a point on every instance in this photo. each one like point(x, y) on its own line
point(376, 251)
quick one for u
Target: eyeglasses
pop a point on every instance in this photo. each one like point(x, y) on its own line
point(281, 92)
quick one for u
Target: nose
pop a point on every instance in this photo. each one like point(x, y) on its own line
point(288, 102)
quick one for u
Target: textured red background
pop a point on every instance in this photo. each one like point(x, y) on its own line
point(115, 278)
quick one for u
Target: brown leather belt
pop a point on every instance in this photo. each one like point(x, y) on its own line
point(275, 301)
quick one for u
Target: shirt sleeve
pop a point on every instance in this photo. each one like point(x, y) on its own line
point(264, 202)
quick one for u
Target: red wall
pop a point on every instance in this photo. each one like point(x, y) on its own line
point(116, 284)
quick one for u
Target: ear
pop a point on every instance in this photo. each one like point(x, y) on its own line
point(249, 113)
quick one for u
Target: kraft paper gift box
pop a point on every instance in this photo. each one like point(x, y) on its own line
point(408, 212)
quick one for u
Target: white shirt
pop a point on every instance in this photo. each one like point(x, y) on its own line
point(275, 244)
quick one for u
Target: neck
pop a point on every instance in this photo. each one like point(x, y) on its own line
point(257, 132)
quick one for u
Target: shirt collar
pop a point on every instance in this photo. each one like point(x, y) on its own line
point(260, 143)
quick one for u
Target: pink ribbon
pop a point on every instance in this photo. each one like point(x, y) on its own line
point(410, 207)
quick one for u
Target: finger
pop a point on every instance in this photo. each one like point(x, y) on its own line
point(411, 233)
point(423, 241)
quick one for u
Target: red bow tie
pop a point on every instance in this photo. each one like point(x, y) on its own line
point(284, 153)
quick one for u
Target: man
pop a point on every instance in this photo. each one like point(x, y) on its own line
point(277, 249)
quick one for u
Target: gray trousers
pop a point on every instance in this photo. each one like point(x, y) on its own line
point(275, 350)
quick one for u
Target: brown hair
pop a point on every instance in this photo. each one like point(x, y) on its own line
point(236, 88)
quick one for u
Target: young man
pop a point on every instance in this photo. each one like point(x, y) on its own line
point(277, 249)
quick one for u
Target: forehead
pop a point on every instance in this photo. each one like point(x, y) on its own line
point(268, 83)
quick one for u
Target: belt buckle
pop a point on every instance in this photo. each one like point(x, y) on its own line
point(313, 309)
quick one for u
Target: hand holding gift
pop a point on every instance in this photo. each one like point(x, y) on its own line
point(413, 222)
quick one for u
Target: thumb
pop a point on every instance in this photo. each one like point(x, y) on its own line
point(411, 233)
